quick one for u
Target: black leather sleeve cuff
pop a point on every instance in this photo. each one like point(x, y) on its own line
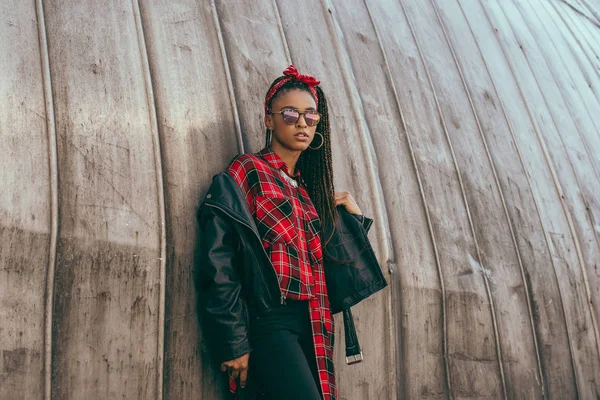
point(365, 221)
point(230, 352)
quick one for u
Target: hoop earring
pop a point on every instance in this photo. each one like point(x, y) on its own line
point(269, 137)
point(319, 146)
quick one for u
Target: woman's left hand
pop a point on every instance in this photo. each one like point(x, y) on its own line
point(346, 199)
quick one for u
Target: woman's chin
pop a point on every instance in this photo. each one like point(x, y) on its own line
point(298, 146)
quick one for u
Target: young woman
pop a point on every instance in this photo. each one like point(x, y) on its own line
point(259, 265)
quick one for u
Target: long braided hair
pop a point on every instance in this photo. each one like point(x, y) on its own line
point(314, 165)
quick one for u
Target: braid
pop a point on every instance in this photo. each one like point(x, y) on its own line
point(316, 166)
point(317, 170)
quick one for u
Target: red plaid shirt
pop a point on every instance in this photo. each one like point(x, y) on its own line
point(289, 226)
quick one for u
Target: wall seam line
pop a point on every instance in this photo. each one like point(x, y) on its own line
point(54, 200)
point(282, 32)
point(227, 68)
point(160, 185)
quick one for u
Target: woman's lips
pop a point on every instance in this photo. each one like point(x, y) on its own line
point(301, 136)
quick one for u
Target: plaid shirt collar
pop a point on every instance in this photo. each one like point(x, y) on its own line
point(276, 161)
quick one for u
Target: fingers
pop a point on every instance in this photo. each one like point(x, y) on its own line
point(235, 373)
point(342, 195)
point(343, 198)
point(243, 377)
point(233, 369)
point(237, 368)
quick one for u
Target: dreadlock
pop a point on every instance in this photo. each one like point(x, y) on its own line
point(315, 165)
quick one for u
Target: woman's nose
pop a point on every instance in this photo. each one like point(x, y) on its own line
point(301, 121)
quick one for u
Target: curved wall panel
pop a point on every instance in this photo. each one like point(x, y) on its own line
point(25, 204)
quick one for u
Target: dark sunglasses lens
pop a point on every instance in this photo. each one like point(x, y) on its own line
point(312, 118)
point(290, 116)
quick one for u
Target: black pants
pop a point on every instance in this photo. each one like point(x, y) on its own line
point(283, 358)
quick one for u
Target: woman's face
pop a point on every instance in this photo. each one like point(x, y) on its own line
point(289, 136)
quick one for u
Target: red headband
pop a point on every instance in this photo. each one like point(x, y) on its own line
point(292, 73)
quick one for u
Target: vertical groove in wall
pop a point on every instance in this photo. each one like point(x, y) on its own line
point(281, 32)
point(462, 189)
point(152, 110)
point(53, 174)
point(540, 375)
point(427, 214)
point(550, 167)
point(234, 107)
point(572, 229)
point(372, 170)
point(54, 214)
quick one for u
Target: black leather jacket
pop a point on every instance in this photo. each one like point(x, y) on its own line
point(235, 280)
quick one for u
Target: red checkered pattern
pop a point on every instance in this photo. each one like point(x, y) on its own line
point(289, 227)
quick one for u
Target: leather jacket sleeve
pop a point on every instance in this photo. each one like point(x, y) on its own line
point(365, 221)
point(218, 281)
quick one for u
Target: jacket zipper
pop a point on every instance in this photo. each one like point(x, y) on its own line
point(282, 296)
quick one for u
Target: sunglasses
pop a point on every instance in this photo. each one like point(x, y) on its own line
point(291, 116)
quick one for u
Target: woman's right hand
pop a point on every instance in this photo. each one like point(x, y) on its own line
point(237, 368)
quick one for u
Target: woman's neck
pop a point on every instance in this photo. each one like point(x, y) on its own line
point(290, 157)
